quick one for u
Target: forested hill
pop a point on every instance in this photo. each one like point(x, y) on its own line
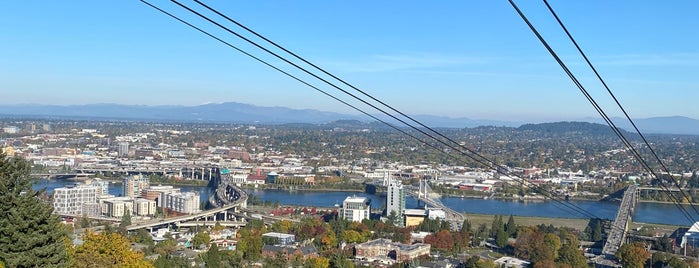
point(572, 128)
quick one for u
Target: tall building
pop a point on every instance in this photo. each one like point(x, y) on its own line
point(144, 207)
point(133, 185)
point(356, 208)
point(158, 193)
point(187, 202)
point(123, 148)
point(102, 184)
point(395, 200)
point(70, 200)
point(117, 206)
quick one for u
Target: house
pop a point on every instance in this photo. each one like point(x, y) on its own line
point(380, 249)
point(511, 262)
point(271, 251)
point(256, 179)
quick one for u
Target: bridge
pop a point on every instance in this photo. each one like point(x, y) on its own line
point(423, 195)
point(226, 198)
point(200, 172)
point(619, 228)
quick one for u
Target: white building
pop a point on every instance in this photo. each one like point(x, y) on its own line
point(691, 237)
point(116, 206)
point(355, 208)
point(10, 130)
point(92, 209)
point(158, 193)
point(187, 202)
point(436, 213)
point(144, 207)
point(123, 148)
point(70, 200)
point(102, 184)
point(511, 262)
point(395, 199)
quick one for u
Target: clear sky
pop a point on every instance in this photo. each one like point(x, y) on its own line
point(474, 59)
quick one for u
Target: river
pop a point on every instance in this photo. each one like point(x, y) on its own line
point(645, 212)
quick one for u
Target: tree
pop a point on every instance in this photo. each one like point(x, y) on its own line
point(633, 255)
point(663, 243)
point(317, 262)
point(511, 227)
point(466, 226)
point(106, 250)
point(170, 261)
point(250, 244)
point(553, 243)
point(84, 221)
point(142, 236)
point(166, 247)
point(213, 257)
point(30, 236)
point(125, 222)
point(201, 238)
point(501, 237)
point(571, 256)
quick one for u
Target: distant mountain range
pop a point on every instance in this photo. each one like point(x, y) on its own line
point(245, 113)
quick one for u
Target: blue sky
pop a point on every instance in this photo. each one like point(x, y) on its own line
point(474, 59)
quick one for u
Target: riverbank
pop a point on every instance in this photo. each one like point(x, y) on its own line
point(579, 224)
point(487, 219)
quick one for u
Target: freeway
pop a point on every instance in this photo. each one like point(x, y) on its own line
point(619, 228)
point(238, 196)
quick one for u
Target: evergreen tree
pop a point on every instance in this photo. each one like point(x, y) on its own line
point(30, 236)
point(466, 226)
point(510, 227)
point(213, 257)
point(501, 237)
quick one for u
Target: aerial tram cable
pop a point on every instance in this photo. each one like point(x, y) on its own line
point(626, 114)
point(503, 171)
point(362, 92)
point(482, 158)
point(600, 111)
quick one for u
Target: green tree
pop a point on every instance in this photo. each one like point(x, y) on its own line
point(201, 238)
point(125, 221)
point(571, 256)
point(30, 236)
point(84, 221)
point(466, 226)
point(663, 243)
point(170, 261)
point(213, 257)
point(166, 247)
point(250, 244)
point(142, 236)
point(553, 243)
point(501, 237)
point(511, 227)
point(633, 255)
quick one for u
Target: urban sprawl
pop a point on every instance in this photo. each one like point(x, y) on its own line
point(150, 164)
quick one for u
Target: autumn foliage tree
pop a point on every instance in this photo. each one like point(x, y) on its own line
point(633, 255)
point(106, 250)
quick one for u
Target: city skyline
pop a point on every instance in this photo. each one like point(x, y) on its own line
point(474, 60)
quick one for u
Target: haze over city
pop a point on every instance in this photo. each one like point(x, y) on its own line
point(457, 59)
